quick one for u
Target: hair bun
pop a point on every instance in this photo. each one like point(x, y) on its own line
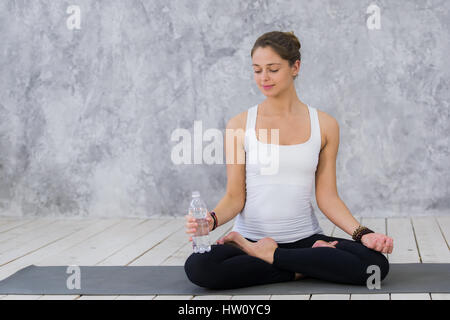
point(294, 39)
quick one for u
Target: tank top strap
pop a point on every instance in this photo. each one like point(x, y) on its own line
point(315, 126)
point(249, 128)
point(251, 118)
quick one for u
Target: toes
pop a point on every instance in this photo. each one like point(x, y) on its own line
point(322, 243)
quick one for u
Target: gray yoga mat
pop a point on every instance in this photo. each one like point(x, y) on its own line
point(149, 280)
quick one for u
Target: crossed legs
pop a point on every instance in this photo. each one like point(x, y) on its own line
point(239, 262)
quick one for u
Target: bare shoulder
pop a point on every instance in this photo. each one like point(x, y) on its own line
point(236, 128)
point(329, 126)
point(238, 121)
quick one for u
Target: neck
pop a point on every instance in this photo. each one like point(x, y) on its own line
point(283, 106)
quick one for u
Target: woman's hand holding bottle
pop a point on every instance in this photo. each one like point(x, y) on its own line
point(191, 224)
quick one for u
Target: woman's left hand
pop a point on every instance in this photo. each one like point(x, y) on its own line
point(378, 242)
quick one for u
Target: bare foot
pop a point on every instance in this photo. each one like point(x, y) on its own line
point(263, 248)
point(321, 243)
point(234, 238)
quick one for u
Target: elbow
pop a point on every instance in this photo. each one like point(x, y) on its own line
point(237, 202)
point(325, 202)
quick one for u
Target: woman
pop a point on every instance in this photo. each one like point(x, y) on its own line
point(276, 236)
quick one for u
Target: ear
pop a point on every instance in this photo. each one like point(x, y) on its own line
point(296, 68)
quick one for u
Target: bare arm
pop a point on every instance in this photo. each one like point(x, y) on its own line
point(327, 196)
point(233, 201)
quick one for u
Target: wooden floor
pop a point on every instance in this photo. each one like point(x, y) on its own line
point(163, 241)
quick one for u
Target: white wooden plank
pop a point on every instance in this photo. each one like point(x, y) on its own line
point(94, 249)
point(251, 297)
point(410, 296)
point(130, 238)
point(131, 254)
point(290, 297)
point(370, 296)
point(164, 248)
point(38, 239)
point(375, 224)
point(135, 297)
point(172, 297)
point(8, 223)
point(21, 297)
point(14, 223)
point(213, 297)
point(93, 228)
point(4, 220)
point(444, 226)
point(440, 296)
point(405, 247)
point(59, 297)
point(431, 242)
point(97, 297)
point(330, 297)
point(23, 233)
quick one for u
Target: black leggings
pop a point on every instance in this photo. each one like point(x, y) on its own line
point(226, 266)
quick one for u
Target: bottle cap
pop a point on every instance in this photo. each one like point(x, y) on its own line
point(195, 194)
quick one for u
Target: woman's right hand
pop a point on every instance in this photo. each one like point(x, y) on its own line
point(191, 224)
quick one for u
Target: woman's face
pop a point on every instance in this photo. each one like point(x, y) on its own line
point(271, 70)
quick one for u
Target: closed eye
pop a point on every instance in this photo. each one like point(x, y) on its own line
point(269, 70)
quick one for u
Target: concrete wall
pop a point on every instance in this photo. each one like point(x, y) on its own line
point(86, 115)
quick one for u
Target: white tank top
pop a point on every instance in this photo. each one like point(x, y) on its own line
point(278, 200)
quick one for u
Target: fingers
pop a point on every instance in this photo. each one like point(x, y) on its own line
point(380, 245)
point(333, 243)
point(389, 245)
point(191, 224)
point(384, 245)
point(221, 240)
point(191, 227)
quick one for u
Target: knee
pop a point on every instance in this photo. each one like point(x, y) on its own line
point(199, 270)
point(384, 266)
point(382, 263)
point(379, 265)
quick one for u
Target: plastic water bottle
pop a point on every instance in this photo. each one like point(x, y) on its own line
point(197, 208)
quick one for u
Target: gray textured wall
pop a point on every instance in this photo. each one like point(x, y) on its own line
point(86, 115)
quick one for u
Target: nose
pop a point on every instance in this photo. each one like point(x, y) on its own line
point(265, 75)
point(265, 79)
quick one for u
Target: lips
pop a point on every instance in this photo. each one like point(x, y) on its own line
point(267, 87)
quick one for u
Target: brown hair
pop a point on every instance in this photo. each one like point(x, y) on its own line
point(285, 44)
